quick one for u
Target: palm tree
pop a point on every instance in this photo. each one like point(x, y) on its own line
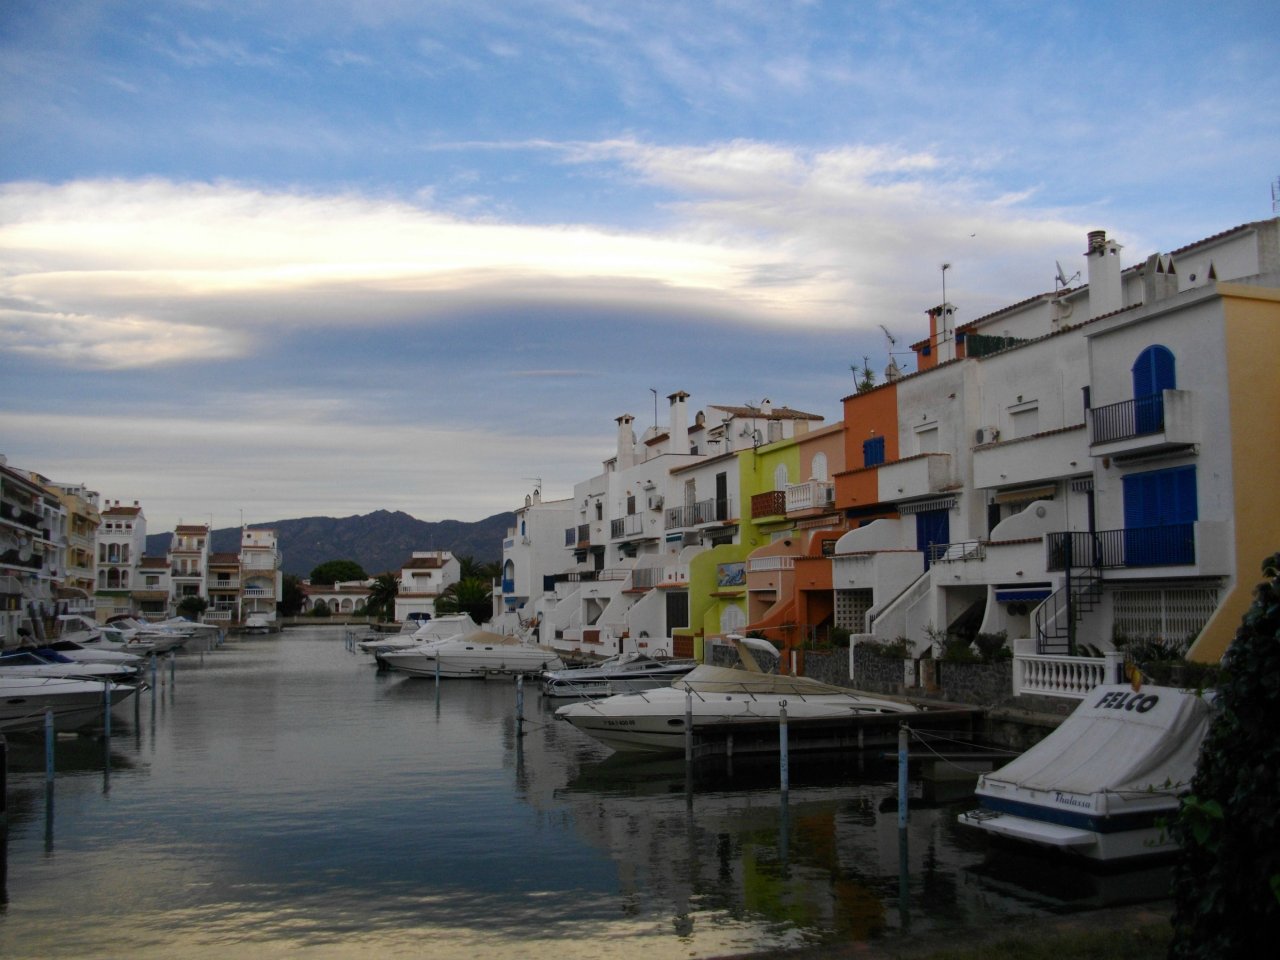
point(382, 596)
point(473, 596)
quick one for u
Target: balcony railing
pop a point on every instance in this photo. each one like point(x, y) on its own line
point(1169, 545)
point(810, 495)
point(771, 504)
point(508, 586)
point(961, 550)
point(698, 514)
point(590, 576)
point(763, 564)
point(628, 526)
point(1129, 418)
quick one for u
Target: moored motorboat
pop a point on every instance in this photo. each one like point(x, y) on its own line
point(417, 632)
point(1101, 784)
point(33, 664)
point(24, 701)
point(625, 673)
point(655, 720)
point(478, 654)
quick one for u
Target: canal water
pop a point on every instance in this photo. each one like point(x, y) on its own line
point(280, 797)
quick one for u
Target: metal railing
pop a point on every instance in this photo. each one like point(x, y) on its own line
point(628, 526)
point(1172, 544)
point(1128, 418)
point(698, 514)
point(961, 550)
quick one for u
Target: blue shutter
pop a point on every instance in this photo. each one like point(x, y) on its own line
point(873, 451)
point(933, 527)
point(1153, 372)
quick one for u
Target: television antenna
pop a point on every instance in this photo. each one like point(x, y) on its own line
point(1062, 281)
point(537, 482)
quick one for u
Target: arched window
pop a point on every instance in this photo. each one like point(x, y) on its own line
point(819, 469)
point(1153, 372)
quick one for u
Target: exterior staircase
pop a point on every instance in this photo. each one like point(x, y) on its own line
point(1057, 617)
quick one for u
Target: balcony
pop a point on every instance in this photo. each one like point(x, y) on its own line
point(508, 585)
point(699, 514)
point(225, 585)
point(15, 558)
point(920, 476)
point(1148, 424)
point(1173, 544)
point(22, 517)
point(253, 561)
point(260, 593)
point(771, 504)
point(622, 528)
point(810, 495)
point(1034, 459)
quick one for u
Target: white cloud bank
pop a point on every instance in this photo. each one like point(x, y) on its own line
point(114, 274)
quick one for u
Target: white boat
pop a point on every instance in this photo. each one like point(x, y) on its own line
point(1100, 784)
point(625, 673)
point(478, 654)
point(91, 652)
point(29, 664)
point(157, 636)
point(430, 631)
point(75, 703)
point(654, 720)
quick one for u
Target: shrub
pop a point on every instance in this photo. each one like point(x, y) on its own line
point(993, 647)
point(899, 649)
point(1226, 884)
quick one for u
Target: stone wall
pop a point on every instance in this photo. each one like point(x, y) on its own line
point(981, 684)
point(877, 674)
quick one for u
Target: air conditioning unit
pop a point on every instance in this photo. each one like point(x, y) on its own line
point(655, 501)
point(829, 495)
point(986, 435)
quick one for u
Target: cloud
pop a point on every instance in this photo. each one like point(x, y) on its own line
point(268, 458)
point(159, 271)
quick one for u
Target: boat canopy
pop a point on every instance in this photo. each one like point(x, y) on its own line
point(1119, 740)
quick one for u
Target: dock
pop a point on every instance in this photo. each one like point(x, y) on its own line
point(853, 734)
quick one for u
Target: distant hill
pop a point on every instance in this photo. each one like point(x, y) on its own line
point(378, 541)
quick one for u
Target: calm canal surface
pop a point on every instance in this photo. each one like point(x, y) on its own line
point(282, 798)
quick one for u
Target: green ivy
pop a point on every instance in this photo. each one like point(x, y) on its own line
point(1226, 884)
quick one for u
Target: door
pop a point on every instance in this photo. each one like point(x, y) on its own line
point(722, 496)
point(932, 527)
point(1160, 511)
point(1153, 373)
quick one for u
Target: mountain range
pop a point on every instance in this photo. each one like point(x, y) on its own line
point(380, 541)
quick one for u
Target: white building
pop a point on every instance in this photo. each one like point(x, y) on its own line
point(261, 579)
point(423, 577)
point(1073, 470)
point(122, 542)
point(614, 575)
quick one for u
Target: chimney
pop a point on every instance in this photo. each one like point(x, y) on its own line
point(626, 442)
point(1159, 278)
point(942, 331)
point(1103, 257)
point(679, 432)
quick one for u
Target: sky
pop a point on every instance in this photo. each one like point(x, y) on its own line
point(313, 257)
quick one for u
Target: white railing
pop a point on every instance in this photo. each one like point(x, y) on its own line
point(810, 495)
point(249, 561)
point(771, 563)
point(1061, 676)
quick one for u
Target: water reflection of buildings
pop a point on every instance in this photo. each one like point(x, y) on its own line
point(825, 866)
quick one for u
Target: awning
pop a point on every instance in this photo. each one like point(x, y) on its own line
point(1027, 494)
point(1022, 596)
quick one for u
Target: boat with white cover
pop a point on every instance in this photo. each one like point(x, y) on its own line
point(75, 703)
point(415, 633)
point(30, 664)
point(625, 673)
point(478, 654)
point(655, 720)
point(1100, 784)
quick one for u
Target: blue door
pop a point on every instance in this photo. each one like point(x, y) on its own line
point(1153, 373)
point(1159, 513)
point(932, 527)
